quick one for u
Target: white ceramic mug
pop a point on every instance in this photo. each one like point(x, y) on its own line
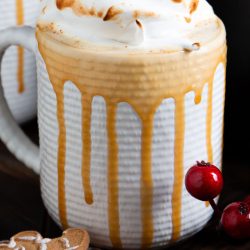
point(112, 155)
point(18, 69)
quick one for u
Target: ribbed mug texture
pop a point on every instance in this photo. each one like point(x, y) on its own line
point(129, 193)
point(18, 69)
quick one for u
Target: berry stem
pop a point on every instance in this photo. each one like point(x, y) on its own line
point(215, 208)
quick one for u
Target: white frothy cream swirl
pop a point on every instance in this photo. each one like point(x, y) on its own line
point(131, 23)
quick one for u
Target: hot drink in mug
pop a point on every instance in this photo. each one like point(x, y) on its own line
point(130, 95)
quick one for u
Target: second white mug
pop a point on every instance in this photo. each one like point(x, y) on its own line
point(18, 68)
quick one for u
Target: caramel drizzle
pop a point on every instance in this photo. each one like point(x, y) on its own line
point(210, 119)
point(113, 176)
point(86, 146)
point(224, 96)
point(58, 88)
point(209, 122)
point(209, 126)
point(147, 181)
point(20, 50)
point(178, 166)
point(146, 111)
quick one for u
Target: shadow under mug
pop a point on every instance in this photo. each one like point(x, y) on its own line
point(117, 133)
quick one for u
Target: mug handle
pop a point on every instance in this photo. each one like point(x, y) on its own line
point(10, 133)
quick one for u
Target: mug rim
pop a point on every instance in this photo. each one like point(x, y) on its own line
point(110, 51)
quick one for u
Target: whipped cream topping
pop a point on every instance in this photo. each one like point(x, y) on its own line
point(130, 23)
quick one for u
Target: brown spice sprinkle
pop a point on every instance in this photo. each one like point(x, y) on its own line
point(92, 11)
point(193, 6)
point(81, 10)
point(111, 13)
point(138, 13)
point(177, 1)
point(47, 27)
point(188, 19)
point(44, 10)
point(100, 13)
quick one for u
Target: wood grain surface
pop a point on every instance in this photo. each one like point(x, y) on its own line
point(21, 206)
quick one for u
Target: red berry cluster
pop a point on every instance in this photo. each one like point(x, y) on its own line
point(204, 182)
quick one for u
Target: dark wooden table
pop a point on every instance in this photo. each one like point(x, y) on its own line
point(22, 208)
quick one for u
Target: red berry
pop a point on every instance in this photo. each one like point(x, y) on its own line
point(247, 200)
point(235, 220)
point(204, 181)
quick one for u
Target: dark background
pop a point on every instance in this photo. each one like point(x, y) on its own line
point(236, 16)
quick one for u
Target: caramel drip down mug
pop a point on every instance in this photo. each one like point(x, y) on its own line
point(117, 132)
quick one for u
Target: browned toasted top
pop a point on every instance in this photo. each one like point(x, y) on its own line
point(110, 14)
point(61, 4)
point(193, 6)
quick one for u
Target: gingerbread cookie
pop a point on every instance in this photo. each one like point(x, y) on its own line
point(72, 239)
